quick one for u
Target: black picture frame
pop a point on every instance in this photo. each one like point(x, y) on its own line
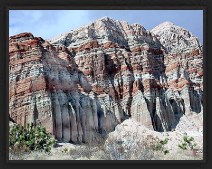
point(6, 5)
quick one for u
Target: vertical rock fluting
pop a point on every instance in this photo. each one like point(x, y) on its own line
point(29, 101)
point(47, 88)
point(121, 61)
point(184, 69)
point(89, 80)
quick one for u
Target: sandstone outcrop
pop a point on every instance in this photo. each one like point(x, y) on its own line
point(93, 78)
point(47, 88)
point(184, 63)
point(176, 39)
point(132, 141)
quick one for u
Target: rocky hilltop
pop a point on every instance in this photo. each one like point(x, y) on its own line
point(176, 39)
point(91, 79)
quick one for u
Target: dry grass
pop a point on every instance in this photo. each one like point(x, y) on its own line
point(119, 145)
point(80, 152)
point(116, 151)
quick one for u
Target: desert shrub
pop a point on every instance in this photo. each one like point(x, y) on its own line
point(65, 150)
point(159, 145)
point(136, 147)
point(31, 138)
point(131, 147)
point(188, 143)
point(128, 149)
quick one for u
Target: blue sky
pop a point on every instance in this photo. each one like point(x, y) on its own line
point(50, 23)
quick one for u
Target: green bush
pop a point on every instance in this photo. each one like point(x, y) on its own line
point(31, 138)
point(159, 145)
point(188, 143)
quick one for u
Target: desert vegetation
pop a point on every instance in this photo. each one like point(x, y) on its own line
point(31, 138)
point(34, 143)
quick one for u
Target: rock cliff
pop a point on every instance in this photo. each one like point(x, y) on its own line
point(47, 88)
point(91, 79)
point(184, 63)
point(175, 39)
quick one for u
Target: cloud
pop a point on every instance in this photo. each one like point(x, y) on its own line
point(50, 23)
point(45, 23)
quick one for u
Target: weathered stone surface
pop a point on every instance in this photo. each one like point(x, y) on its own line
point(131, 136)
point(184, 66)
point(52, 91)
point(93, 78)
point(176, 39)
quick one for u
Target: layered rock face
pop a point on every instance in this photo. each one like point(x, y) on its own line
point(176, 39)
point(184, 64)
point(95, 77)
point(47, 88)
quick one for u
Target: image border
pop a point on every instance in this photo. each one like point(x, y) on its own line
point(5, 12)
